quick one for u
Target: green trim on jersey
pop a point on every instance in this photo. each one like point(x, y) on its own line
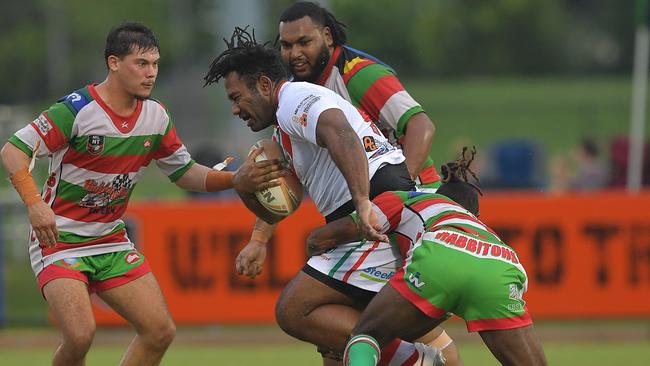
point(20, 145)
point(62, 117)
point(72, 238)
point(131, 145)
point(180, 172)
point(360, 82)
point(74, 193)
point(401, 124)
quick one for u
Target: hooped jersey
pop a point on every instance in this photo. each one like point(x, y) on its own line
point(408, 215)
point(300, 105)
point(373, 86)
point(96, 159)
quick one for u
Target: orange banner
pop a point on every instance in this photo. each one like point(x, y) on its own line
point(587, 256)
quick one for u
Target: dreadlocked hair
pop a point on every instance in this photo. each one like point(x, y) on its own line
point(249, 59)
point(318, 15)
point(456, 184)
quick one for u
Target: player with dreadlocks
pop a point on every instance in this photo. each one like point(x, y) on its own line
point(454, 263)
point(342, 159)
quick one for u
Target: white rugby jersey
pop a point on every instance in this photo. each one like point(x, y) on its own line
point(299, 106)
point(96, 159)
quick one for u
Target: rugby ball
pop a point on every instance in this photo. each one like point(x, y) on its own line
point(284, 199)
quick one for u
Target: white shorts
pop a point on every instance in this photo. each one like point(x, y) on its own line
point(364, 265)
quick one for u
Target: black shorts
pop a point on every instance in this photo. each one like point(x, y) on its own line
point(389, 177)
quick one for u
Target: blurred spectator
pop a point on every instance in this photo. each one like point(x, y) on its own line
point(559, 174)
point(619, 149)
point(590, 171)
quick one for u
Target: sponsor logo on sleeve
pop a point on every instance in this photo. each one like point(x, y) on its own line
point(43, 125)
point(369, 143)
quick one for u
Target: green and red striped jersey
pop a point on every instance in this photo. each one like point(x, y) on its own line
point(407, 215)
point(96, 159)
point(373, 87)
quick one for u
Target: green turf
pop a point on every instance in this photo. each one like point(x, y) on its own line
point(592, 354)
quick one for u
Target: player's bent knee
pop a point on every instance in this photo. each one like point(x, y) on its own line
point(160, 336)
point(79, 339)
point(287, 317)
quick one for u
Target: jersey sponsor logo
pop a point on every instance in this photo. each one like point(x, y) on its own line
point(306, 103)
point(132, 257)
point(369, 143)
point(74, 97)
point(95, 144)
point(43, 124)
point(414, 279)
point(77, 100)
point(374, 272)
point(102, 194)
point(301, 120)
point(381, 148)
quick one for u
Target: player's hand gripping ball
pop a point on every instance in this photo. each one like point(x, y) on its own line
point(284, 199)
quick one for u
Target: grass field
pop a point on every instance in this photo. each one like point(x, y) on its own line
point(268, 346)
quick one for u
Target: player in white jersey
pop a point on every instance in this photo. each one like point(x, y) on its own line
point(99, 139)
point(338, 155)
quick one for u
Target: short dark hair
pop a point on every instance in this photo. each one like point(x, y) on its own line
point(456, 184)
point(126, 37)
point(318, 15)
point(248, 58)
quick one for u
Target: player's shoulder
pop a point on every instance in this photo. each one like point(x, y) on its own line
point(74, 101)
point(155, 103)
point(357, 60)
point(297, 91)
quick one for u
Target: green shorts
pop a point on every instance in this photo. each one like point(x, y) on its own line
point(100, 272)
point(480, 281)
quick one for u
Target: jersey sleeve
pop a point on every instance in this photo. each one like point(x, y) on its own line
point(172, 156)
point(52, 128)
point(388, 206)
point(299, 112)
point(377, 90)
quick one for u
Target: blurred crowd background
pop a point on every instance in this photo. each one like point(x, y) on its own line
point(542, 88)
